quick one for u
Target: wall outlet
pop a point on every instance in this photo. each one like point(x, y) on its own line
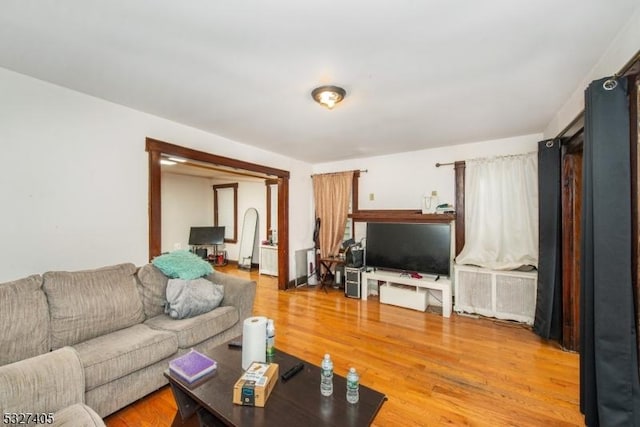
point(177, 246)
point(434, 193)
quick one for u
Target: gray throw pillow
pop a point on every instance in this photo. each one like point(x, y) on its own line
point(189, 298)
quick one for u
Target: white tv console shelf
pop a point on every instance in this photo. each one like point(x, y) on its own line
point(405, 291)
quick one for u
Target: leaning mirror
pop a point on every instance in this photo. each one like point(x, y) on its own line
point(248, 238)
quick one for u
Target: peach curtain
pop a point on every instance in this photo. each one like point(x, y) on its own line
point(332, 192)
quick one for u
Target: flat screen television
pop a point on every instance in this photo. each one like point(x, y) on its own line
point(411, 247)
point(205, 236)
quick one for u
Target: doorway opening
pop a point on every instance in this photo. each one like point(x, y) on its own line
point(159, 149)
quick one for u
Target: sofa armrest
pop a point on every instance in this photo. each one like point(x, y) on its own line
point(78, 415)
point(239, 293)
point(42, 384)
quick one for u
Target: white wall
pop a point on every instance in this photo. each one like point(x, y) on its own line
point(74, 178)
point(399, 181)
point(620, 51)
point(187, 201)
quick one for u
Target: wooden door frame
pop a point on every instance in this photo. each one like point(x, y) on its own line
point(571, 220)
point(157, 148)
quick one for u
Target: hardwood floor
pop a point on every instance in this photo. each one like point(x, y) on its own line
point(434, 371)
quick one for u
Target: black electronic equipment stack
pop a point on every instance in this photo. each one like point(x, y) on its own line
point(352, 281)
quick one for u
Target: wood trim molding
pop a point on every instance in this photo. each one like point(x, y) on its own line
point(283, 233)
point(155, 205)
point(188, 153)
point(234, 187)
point(399, 215)
point(571, 214)
point(459, 168)
point(354, 191)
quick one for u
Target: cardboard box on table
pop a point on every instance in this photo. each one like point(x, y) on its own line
point(255, 385)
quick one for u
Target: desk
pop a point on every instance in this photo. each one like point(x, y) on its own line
point(329, 274)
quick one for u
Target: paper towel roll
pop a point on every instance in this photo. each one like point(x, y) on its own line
point(254, 340)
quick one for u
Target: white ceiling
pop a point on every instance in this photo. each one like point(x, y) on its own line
point(418, 73)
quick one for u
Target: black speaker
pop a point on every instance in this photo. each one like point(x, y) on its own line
point(201, 252)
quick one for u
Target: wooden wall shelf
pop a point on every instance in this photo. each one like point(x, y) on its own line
point(399, 215)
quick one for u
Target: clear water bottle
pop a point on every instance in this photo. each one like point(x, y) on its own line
point(271, 340)
point(326, 376)
point(353, 386)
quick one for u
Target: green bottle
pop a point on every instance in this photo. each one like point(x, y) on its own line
point(271, 339)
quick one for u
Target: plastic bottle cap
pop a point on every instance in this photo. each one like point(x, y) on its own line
point(326, 356)
point(352, 370)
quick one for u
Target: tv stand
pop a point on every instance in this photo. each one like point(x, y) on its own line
point(406, 291)
point(217, 257)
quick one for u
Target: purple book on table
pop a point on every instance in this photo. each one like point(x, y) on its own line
point(192, 366)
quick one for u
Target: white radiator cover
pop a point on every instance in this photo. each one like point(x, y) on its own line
point(509, 295)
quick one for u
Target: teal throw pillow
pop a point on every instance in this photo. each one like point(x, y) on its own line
point(182, 265)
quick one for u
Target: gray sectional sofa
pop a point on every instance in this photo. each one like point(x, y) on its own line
point(84, 344)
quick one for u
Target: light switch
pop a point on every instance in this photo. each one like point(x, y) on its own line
point(372, 196)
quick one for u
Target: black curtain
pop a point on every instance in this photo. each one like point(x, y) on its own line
point(548, 316)
point(609, 388)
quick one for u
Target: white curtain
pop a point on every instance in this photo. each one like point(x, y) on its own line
point(501, 218)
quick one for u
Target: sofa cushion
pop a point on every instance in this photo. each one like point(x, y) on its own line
point(115, 355)
point(91, 303)
point(194, 330)
point(24, 317)
point(182, 264)
point(154, 289)
point(190, 298)
point(78, 415)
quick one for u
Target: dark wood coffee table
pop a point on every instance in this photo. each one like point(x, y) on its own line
point(295, 402)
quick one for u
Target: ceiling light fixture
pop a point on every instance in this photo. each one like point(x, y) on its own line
point(177, 159)
point(328, 96)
